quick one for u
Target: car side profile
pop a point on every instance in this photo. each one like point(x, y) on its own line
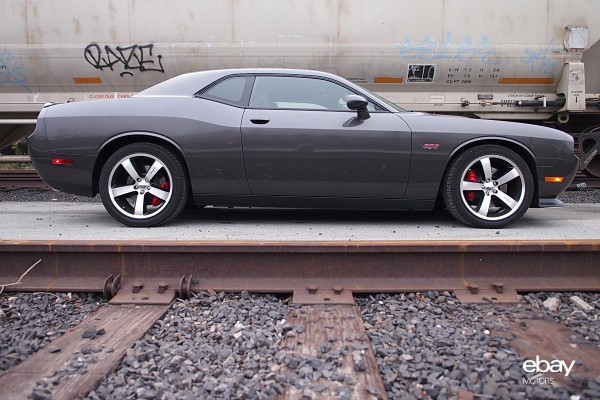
point(293, 138)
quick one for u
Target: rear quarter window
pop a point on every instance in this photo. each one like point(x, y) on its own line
point(233, 90)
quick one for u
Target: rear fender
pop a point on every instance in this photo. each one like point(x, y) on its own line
point(120, 140)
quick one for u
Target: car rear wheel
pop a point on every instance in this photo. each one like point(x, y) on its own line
point(488, 186)
point(143, 184)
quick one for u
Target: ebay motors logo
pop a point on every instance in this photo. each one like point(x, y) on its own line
point(538, 366)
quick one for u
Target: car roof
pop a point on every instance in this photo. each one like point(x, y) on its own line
point(190, 83)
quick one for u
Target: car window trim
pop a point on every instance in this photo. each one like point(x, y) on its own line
point(243, 103)
point(323, 78)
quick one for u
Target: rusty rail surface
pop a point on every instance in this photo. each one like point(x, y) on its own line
point(155, 269)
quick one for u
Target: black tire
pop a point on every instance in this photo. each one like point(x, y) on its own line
point(143, 184)
point(488, 186)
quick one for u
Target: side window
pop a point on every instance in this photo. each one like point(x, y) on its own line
point(287, 92)
point(230, 91)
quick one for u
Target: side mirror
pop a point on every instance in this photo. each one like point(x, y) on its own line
point(358, 103)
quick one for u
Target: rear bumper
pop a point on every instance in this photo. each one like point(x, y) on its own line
point(75, 179)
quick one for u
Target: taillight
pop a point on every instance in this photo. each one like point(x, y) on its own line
point(62, 161)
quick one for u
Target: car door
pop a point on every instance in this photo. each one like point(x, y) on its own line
point(213, 148)
point(300, 139)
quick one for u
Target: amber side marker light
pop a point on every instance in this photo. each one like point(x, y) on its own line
point(554, 179)
point(61, 161)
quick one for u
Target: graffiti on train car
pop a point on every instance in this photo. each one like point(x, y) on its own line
point(10, 71)
point(431, 49)
point(131, 58)
point(539, 60)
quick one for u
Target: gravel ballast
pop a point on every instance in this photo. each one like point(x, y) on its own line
point(427, 345)
point(29, 321)
point(431, 346)
point(44, 196)
point(222, 346)
point(213, 346)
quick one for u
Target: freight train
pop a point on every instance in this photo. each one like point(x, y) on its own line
point(535, 61)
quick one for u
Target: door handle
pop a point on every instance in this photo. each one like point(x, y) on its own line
point(260, 121)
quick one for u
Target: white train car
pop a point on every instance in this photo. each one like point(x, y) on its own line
point(534, 61)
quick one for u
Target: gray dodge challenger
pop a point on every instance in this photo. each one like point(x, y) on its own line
point(293, 138)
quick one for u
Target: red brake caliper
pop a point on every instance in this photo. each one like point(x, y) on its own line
point(155, 200)
point(471, 177)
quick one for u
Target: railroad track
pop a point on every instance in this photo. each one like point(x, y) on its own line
point(29, 179)
point(321, 272)
point(12, 179)
point(323, 322)
point(21, 179)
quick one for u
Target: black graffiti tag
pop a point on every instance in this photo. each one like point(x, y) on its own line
point(135, 57)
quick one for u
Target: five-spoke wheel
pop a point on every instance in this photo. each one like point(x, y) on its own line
point(143, 184)
point(488, 186)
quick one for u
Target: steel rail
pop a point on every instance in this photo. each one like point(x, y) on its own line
point(14, 159)
point(494, 267)
point(21, 179)
point(30, 121)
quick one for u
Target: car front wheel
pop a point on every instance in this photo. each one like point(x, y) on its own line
point(143, 184)
point(488, 186)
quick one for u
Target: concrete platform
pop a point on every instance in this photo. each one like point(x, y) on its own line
point(89, 221)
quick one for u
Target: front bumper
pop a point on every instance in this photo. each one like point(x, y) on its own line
point(566, 166)
point(549, 203)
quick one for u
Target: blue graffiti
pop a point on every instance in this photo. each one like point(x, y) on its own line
point(483, 51)
point(538, 59)
point(427, 50)
point(10, 71)
point(431, 49)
